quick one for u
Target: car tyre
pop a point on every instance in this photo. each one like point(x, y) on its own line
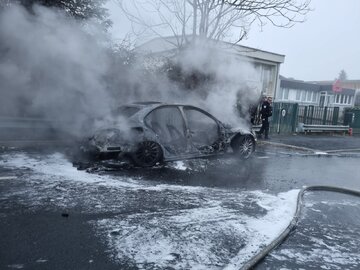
point(243, 146)
point(147, 154)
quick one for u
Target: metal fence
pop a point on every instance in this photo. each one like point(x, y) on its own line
point(312, 115)
point(287, 116)
point(352, 118)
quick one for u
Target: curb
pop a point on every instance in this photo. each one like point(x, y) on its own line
point(305, 149)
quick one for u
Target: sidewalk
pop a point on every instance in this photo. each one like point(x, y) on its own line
point(317, 142)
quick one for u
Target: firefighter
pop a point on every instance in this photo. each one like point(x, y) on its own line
point(265, 113)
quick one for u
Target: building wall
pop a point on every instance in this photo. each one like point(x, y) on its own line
point(301, 96)
point(305, 93)
point(349, 84)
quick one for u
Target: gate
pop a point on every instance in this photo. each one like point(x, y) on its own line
point(284, 119)
point(352, 118)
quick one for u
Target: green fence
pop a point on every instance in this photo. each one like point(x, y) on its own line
point(287, 116)
point(284, 119)
point(352, 118)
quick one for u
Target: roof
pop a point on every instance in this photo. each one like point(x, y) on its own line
point(331, 81)
point(166, 44)
point(302, 85)
point(345, 91)
point(297, 84)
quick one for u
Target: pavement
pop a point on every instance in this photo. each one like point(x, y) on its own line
point(200, 214)
point(315, 142)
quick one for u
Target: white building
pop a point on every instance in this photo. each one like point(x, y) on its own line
point(350, 84)
point(309, 93)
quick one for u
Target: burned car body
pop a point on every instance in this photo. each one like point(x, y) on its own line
point(157, 132)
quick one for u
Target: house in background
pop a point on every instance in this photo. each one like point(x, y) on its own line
point(267, 64)
point(316, 94)
point(350, 84)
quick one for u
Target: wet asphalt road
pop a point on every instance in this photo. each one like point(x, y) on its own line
point(51, 226)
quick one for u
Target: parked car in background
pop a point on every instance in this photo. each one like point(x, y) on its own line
point(149, 133)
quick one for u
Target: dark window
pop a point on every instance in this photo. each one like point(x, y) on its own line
point(127, 111)
point(204, 130)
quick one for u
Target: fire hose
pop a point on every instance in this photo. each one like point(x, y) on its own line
point(294, 222)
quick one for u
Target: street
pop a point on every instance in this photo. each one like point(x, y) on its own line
point(199, 214)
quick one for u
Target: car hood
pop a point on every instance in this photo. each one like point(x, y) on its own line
point(242, 130)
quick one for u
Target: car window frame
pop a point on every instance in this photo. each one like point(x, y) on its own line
point(183, 109)
point(166, 106)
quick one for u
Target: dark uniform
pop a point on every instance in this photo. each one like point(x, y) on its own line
point(265, 112)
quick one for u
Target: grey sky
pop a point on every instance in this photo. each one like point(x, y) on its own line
point(315, 50)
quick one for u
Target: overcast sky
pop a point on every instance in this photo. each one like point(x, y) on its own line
point(317, 49)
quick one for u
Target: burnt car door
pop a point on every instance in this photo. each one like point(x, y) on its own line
point(168, 124)
point(203, 130)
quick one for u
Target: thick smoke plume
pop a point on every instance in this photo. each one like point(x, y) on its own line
point(232, 85)
point(50, 67)
point(53, 68)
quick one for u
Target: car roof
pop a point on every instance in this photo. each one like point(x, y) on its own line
point(146, 103)
point(145, 107)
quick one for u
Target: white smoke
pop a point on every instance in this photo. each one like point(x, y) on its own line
point(230, 90)
point(50, 66)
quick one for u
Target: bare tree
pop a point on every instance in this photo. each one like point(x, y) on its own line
point(211, 19)
point(81, 10)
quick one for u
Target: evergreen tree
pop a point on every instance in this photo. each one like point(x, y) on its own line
point(342, 75)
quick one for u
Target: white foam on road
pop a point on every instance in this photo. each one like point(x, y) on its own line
point(281, 210)
point(179, 165)
point(209, 235)
point(56, 167)
point(195, 236)
point(7, 177)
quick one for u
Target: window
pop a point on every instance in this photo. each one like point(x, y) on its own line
point(168, 124)
point(303, 95)
point(203, 129)
point(342, 99)
point(268, 74)
point(298, 94)
point(314, 97)
point(322, 99)
point(328, 100)
point(346, 99)
point(350, 99)
point(337, 99)
point(127, 111)
point(286, 93)
point(308, 96)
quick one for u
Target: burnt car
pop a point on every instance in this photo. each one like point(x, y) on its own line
point(150, 133)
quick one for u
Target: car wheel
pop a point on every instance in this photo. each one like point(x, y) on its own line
point(243, 146)
point(147, 154)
